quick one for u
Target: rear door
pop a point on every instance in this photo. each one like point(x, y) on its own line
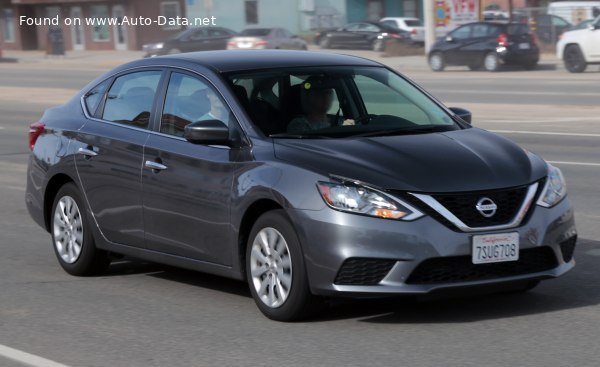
point(110, 153)
point(187, 187)
point(455, 44)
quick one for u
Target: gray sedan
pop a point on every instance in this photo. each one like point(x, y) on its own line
point(266, 38)
point(308, 175)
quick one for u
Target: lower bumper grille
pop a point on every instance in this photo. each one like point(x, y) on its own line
point(461, 269)
point(567, 248)
point(363, 271)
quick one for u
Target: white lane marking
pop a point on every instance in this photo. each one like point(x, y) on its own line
point(545, 133)
point(27, 358)
point(576, 163)
point(509, 93)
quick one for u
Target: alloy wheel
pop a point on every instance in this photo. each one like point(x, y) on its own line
point(271, 267)
point(68, 230)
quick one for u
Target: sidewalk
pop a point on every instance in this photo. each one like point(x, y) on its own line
point(109, 59)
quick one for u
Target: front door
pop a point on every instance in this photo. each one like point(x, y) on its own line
point(187, 187)
point(77, 36)
point(120, 31)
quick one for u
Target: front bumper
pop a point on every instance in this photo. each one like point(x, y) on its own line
point(397, 248)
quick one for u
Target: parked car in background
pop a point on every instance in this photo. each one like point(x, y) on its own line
point(548, 27)
point(487, 45)
point(194, 39)
point(580, 48)
point(412, 25)
point(266, 38)
point(190, 160)
point(371, 35)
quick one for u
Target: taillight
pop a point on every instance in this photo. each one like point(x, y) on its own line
point(231, 43)
point(413, 31)
point(534, 39)
point(35, 130)
point(261, 43)
point(502, 40)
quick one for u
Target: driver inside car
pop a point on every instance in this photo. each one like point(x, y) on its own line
point(316, 98)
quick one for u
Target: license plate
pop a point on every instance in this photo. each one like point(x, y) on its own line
point(524, 46)
point(245, 44)
point(495, 248)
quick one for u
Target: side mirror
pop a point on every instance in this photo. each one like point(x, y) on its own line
point(207, 132)
point(449, 39)
point(465, 115)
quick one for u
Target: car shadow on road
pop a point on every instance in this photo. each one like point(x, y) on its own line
point(574, 290)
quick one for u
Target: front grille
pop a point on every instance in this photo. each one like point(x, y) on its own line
point(458, 269)
point(567, 248)
point(463, 206)
point(363, 271)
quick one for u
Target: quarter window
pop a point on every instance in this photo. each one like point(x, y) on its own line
point(94, 97)
point(129, 100)
point(188, 100)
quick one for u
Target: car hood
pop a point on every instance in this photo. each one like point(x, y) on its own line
point(461, 160)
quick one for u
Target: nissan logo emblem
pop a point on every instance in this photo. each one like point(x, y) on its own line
point(486, 207)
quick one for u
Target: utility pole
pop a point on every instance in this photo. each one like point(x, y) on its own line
point(429, 15)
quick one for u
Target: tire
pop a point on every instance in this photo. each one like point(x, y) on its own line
point(325, 42)
point(174, 51)
point(275, 269)
point(574, 60)
point(491, 62)
point(378, 45)
point(72, 237)
point(436, 61)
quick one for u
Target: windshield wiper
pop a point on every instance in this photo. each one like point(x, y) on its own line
point(400, 131)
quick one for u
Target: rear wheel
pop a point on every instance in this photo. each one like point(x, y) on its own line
point(275, 269)
point(436, 61)
point(491, 62)
point(72, 237)
point(574, 60)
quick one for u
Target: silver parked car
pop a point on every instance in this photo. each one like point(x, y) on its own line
point(266, 38)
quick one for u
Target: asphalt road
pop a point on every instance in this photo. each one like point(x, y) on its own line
point(149, 315)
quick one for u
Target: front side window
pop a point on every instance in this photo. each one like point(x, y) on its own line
point(338, 102)
point(190, 99)
point(129, 100)
point(461, 33)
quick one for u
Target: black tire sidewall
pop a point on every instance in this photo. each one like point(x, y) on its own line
point(295, 306)
point(90, 261)
point(581, 65)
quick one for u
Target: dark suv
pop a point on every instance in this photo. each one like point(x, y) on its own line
point(487, 45)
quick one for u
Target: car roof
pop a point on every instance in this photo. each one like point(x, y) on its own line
point(243, 60)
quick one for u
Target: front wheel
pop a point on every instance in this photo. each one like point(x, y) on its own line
point(72, 236)
point(574, 61)
point(275, 269)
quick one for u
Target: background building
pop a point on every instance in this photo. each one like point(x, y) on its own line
point(86, 37)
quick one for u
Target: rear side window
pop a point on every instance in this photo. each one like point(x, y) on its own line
point(413, 23)
point(130, 98)
point(93, 98)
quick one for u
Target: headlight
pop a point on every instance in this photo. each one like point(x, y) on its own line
point(358, 199)
point(555, 188)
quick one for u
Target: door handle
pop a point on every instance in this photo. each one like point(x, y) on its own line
point(87, 153)
point(155, 166)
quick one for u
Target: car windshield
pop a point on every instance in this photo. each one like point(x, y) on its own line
point(257, 32)
point(337, 102)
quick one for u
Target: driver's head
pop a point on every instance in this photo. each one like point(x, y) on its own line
point(317, 95)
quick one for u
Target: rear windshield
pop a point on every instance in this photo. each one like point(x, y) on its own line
point(413, 23)
point(258, 32)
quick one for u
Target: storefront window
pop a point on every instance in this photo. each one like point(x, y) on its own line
point(100, 30)
point(170, 10)
point(9, 25)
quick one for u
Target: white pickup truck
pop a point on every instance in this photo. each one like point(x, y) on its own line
point(580, 48)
